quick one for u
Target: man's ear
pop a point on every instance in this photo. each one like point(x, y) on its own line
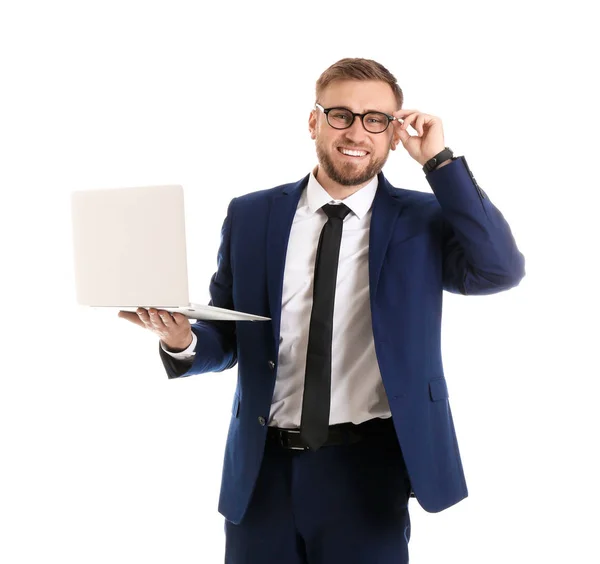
point(312, 124)
point(395, 140)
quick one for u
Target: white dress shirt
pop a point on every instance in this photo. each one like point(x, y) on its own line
point(357, 392)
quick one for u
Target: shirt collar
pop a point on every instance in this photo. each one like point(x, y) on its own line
point(359, 203)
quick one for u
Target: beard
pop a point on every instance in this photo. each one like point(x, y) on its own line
point(348, 174)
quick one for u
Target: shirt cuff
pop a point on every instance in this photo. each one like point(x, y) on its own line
point(188, 353)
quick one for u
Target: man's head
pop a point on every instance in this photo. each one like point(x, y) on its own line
point(361, 86)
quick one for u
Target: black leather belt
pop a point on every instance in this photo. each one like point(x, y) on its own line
point(341, 434)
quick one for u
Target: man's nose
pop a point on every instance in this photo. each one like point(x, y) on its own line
point(356, 131)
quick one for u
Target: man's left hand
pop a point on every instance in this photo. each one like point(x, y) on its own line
point(429, 140)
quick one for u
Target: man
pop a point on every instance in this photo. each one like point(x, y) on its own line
point(341, 409)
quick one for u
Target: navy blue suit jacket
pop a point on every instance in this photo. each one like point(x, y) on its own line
point(420, 244)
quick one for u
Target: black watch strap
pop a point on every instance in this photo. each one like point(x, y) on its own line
point(439, 158)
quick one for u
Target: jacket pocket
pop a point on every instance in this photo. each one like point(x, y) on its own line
point(438, 389)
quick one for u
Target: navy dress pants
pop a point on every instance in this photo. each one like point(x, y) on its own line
point(341, 504)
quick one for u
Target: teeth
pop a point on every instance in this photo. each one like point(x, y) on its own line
point(353, 153)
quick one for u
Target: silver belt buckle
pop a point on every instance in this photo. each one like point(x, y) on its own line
point(292, 432)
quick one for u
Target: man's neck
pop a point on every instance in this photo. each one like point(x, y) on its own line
point(335, 190)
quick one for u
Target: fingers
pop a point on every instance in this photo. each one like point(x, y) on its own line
point(143, 317)
point(158, 319)
point(419, 124)
point(179, 319)
point(165, 319)
point(160, 322)
point(410, 120)
point(150, 320)
point(172, 319)
point(414, 118)
point(131, 316)
point(404, 118)
point(403, 135)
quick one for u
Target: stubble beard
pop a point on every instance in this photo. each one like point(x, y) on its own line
point(347, 175)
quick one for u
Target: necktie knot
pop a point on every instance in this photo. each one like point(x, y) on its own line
point(339, 210)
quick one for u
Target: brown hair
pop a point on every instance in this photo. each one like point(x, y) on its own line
point(359, 69)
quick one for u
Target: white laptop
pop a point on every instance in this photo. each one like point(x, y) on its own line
point(130, 251)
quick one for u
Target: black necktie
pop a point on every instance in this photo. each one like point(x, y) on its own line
point(314, 425)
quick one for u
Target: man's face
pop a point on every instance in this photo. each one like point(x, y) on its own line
point(360, 97)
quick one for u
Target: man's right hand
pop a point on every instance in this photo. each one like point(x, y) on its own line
point(173, 330)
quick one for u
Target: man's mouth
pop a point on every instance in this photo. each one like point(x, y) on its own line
point(356, 153)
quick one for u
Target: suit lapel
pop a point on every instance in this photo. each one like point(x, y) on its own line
point(386, 209)
point(281, 216)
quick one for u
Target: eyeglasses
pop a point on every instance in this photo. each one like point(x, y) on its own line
point(342, 118)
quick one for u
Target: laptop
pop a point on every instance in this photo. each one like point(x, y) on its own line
point(130, 251)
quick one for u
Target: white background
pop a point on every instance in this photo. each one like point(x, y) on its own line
point(105, 460)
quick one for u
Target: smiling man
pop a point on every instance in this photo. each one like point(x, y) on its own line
point(350, 157)
point(341, 410)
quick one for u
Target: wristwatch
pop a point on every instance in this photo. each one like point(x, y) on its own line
point(442, 156)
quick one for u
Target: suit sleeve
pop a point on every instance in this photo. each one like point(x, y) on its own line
point(216, 349)
point(480, 255)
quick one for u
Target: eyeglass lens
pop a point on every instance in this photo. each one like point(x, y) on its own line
point(341, 118)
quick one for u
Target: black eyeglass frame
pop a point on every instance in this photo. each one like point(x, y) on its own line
point(354, 116)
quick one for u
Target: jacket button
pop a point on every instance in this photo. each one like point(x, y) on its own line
point(262, 421)
point(271, 364)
